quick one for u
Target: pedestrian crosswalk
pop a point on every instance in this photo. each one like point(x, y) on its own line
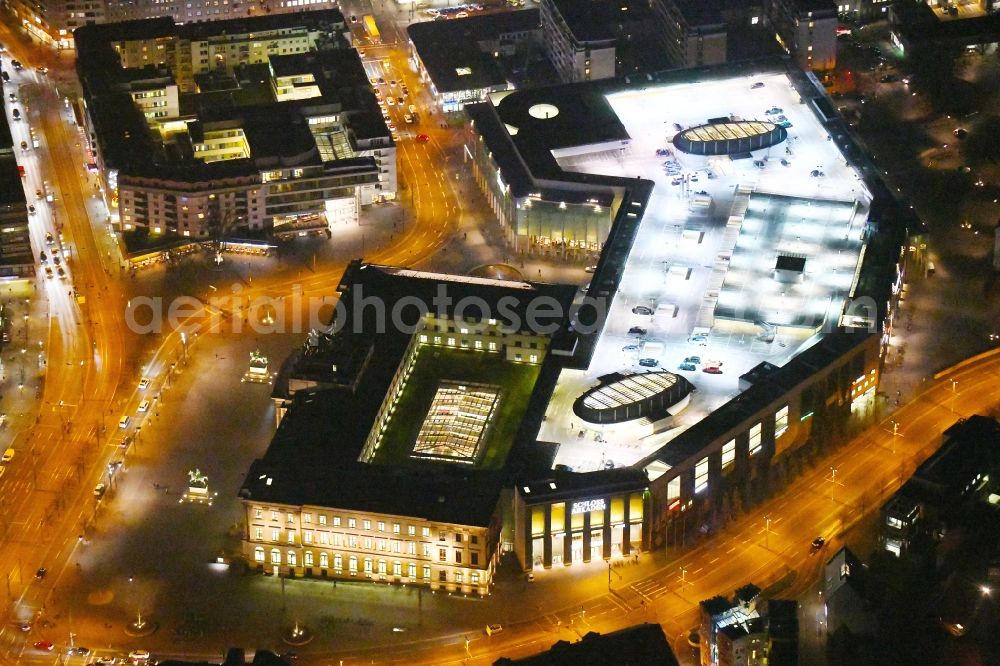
point(649, 589)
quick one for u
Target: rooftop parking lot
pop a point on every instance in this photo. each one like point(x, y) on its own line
point(740, 259)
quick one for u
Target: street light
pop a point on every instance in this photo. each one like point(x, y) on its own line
point(954, 390)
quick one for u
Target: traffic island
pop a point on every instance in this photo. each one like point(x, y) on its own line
point(138, 628)
point(297, 635)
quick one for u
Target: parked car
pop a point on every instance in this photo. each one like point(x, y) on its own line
point(642, 310)
point(99, 490)
point(693, 359)
point(630, 348)
point(637, 330)
point(690, 367)
point(712, 370)
point(698, 340)
point(493, 629)
point(817, 544)
point(143, 383)
point(423, 138)
point(648, 362)
point(78, 651)
point(43, 645)
point(40, 574)
point(757, 85)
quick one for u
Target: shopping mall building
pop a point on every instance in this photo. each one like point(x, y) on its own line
point(639, 411)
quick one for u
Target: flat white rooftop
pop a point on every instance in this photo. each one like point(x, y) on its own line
point(705, 256)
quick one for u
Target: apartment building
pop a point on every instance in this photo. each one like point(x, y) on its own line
point(694, 33)
point(807, 30)
point(256, 124)
point(52, 22)
point(580, 38)
point(16, 257)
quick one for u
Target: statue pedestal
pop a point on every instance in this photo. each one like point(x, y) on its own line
point(198, 495)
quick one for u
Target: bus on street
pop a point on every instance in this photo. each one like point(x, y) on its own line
point(371, 29)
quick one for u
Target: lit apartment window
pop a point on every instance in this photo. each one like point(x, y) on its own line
point(427, 572)
point(381, 526)
point(411, 570)
point(425, 532)
point(397, 568)
point(701, 475)
point(258, 533)
point(352, 523)
point(307, 537)
point(309, 558)
point(894, 522)
point(781, 422)
point(442, 555)
point(291, 536)
point(274, 515)
point(411, 530)
point(458, 577)
point(307, 517)
point(322, 520)
point(275, 535)
point(475, 579)
point(258, 513)
point(755, 445)
point(290, 519)
point(258, 554)
point(324, 560)
point(728, 453)
point(275, 556)
point(366, 524)
point(352, 565)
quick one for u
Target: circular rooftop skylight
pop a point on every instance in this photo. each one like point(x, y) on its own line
point(543, 111)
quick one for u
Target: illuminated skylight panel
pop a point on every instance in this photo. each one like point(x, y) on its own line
point(456, 422)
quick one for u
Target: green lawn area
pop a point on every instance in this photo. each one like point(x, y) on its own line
point(434, 364)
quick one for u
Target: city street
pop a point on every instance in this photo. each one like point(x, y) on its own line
point(138, 551)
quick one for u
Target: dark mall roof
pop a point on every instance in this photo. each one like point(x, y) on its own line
point(314, 456)
point(446, 46)
point(558, 485)
point(767, 391)
point(589, 20)
point(639, 645)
